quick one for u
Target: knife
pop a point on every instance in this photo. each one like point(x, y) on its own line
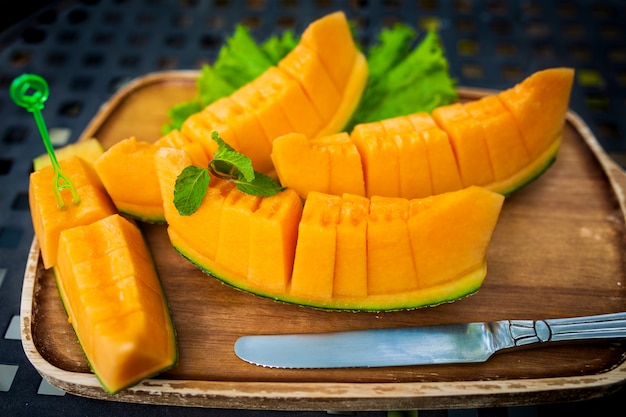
point(437, 344)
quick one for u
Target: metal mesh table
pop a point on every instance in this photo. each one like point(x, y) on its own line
point(87, 49)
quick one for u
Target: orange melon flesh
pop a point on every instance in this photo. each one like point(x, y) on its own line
point(312, 173)
point(49, 220)
point(114, 301)
point(388, 247)
point(233, 248)
point(444, 172)
point(175, 139)
point(344, 162)
point(352, 255)
point(501, 142)
point(302, 65)
point(197, 128)
point(273, 234)
point(475, 211)
point(539, 104)
point(314, 262)
point(338, 60)
point(250, 138)
point(397, 125)
point(379, 157)
point(270, 116)
point(413, 165)
point(468, 141)
point(203, 226)
point(351, 250)
point(507, 151)
point(286, 94)
point(127, 172)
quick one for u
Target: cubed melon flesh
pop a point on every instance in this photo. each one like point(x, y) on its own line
point(539, 104)
point(175, 139)
point(351, 252)
point(285, 93)
point(507, 151)
point(379, 157)
point(468, 142)
point(303, 65)
point(312, 173)
point(115, 303)
point(250, 138)
point(49, 220)
point(233, 247)
point(127, 171)
point(444, 171)
point(314, 262)
point(269, 114)
point(199, 127)
point(388, 247)
point(273, 234)
point(338, 60)
point(415, 181)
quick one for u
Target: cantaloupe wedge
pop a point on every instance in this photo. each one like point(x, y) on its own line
point(501, 142)
point(49, 220)
point(338, 252)
point(114, 301)
point(306, 92)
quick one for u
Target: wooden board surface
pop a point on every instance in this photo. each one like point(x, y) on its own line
point(557, 251)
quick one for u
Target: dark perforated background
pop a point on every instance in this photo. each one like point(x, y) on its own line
point(88, 49)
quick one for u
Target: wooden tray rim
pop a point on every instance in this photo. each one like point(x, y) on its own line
point(323, 395)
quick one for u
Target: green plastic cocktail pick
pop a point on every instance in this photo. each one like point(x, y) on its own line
point(31, 91)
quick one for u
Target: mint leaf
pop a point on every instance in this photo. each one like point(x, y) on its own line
point(261, 185)
point(190, 189)
point(226, 153)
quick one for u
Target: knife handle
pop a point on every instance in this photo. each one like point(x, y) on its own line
point(603, 326)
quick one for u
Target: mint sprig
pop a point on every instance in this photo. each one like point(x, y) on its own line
point(192, 183)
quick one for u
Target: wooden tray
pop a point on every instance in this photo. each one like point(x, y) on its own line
point(557, 251)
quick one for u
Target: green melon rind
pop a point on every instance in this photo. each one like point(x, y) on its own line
point(529, 173)
point(146, 214)
point(130, 384)
point(454, 290)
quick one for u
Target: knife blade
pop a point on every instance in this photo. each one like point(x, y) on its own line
point(426, 345)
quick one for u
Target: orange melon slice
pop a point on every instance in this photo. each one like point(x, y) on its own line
point(343, 252)
point(49, 220)
point(314, 262)
point(501, 142)
point(113, 297)
point(306, 92)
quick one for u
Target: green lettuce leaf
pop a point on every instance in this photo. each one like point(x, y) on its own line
point(404, 80)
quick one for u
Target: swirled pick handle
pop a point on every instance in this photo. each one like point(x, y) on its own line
point(31, 91)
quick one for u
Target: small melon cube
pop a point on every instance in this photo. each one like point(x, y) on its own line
point(304, 65)
point(314, 263)
point(273, 234)
point(468, 141)
point(379, 156)
point(233, 248)
point(444, 172)
point(414, 167)
point(388, 247)
point(351, 252)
